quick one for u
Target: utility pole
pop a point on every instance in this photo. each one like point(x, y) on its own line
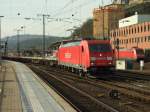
point(103, 19)
point(0, 35)
point(43, 17)
point(18, 41)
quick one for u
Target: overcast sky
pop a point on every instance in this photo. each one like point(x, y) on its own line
point(73, 9)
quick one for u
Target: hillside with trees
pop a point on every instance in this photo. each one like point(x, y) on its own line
point(85, 31)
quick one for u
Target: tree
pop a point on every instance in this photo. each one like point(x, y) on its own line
point(85, 31)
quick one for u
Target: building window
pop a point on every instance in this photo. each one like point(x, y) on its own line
point(132, 30)
point(138, 39)
point(141, 39)
point(132, 40)
point(144, 28)
point(114, 34)
point(138, 29)
point(135, 29)
point(141, 28)
point(117, 33)
point(148, 27)
point(145, 39)
point(135, 40)
point(124, 32)
point(149, 38)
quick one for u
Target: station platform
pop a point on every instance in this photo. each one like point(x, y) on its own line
point(21, 90)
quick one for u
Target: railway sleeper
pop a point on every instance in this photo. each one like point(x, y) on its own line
point(136, 96)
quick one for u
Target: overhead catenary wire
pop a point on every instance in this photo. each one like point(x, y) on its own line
point(70, 11)
point(78, 7)
point(58, 11)
point(87, 2)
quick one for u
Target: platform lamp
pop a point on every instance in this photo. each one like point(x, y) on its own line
point(0, 34)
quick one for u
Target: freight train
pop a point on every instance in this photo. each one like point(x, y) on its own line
point(81, 56)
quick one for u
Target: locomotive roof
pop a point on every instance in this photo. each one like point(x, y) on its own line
point(73, 43)
point(77, 42)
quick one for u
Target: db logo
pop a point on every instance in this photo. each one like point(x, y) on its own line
point(67, 55)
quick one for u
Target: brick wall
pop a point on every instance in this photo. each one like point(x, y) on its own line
point(105, 19)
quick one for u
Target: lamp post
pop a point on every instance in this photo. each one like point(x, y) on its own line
point(0, 34)
point(18, 40)
point(6, 47)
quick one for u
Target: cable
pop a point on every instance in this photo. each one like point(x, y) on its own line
point(65, 6)
point(77, 7)
point(46, 6)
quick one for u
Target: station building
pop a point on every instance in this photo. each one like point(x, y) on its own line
point(133, 31)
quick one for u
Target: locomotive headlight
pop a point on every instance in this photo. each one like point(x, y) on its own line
point(110, 63)
point(92, 63)
point(109, 58)
point(93, 58)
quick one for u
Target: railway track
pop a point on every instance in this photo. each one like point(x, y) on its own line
point(96, 91)
point(126, 88)
point(85, 102)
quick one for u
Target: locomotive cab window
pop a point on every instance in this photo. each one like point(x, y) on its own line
point(139, 51)
point(82, 48)
point(100, 48)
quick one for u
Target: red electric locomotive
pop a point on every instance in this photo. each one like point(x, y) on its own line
point(86, 55)
point(132, 54)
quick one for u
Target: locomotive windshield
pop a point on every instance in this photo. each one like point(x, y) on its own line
point(139, 51)
point(100, 48)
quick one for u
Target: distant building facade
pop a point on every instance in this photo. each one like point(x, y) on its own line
point(106, 19)
point(137, 35)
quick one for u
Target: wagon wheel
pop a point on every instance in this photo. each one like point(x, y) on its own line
point(51, 63)
point(87, 74)
point(80, 73)
point(72, 70)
